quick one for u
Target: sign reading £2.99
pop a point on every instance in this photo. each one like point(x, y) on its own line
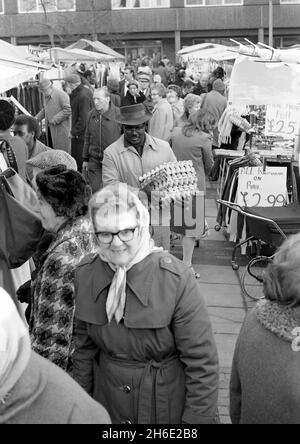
point(282, 121)
point(262, 188)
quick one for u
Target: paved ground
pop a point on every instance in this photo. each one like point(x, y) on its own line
point(221, 289)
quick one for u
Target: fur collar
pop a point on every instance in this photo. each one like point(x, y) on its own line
point(278, 319)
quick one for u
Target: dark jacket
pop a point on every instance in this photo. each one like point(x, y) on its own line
point(81, 104)
point(45, 394)
point(265, 386)
point(101, 131)
point(130, 100)
point(160, 364)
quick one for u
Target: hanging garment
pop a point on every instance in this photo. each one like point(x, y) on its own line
point(20, 230)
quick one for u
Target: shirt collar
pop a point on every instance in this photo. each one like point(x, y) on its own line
point(149, 143)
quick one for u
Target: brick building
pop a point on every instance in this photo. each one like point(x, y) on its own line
point(136, 27)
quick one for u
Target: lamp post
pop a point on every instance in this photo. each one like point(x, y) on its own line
point(271, 40)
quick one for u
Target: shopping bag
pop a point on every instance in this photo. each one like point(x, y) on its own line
point(21, 191)
point(20, 228)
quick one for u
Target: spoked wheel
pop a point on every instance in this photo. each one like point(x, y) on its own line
point(252, 280)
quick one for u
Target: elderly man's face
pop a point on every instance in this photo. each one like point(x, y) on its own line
point(135, 134)
point(101, 101)
point(144, 84)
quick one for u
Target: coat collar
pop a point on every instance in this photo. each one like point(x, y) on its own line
point(109, 115)
point(279, 320)
point(78, 228)
point(139, 278)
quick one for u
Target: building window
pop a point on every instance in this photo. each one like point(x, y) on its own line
point(28, 6)
point(213, 2)
point(133, 4)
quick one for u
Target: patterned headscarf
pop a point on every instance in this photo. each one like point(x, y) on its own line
point(14, 345)
point(109, 201)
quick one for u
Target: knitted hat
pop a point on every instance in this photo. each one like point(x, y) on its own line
point(51, 158)
point(45, 84)
point(219, 86)
point(73, 78)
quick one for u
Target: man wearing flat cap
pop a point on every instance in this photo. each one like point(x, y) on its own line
point(81, 103)
point(134, 154)
point(57, 113)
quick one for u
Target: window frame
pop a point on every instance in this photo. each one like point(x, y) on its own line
point(122, 8)
point(37, 11)
point(213, 6)
point(289, 2)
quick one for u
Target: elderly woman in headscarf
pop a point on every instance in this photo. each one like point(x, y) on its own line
point(32, 390)
point(144, 346)
point(63, 197)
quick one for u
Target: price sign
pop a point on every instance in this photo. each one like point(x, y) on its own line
point(259, 188)
point(282, 121)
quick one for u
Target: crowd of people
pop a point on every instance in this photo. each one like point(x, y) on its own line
point(107, 302)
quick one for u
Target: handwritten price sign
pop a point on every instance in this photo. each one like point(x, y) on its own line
point(259, 188)
point(282, 121)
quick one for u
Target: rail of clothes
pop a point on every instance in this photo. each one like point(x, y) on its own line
point(29, 96)
point(226, 217)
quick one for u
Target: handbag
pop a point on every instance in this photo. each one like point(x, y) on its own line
point(20, 228)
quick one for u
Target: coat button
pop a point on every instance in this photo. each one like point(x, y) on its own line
point(167, 260)
point(127, 389)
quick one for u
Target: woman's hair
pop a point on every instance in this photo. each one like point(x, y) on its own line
point(202, 120)
point(282, 276)
point(117, 199)
point(175, 88)
point(65, 190)
point(191, 100)
point(160, 88)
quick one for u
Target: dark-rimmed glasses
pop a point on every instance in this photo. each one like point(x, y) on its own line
point(126, 235)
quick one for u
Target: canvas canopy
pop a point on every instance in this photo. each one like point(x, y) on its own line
point(78, 55)
point(207, 51)
point(14, 71)
point(96, 46)
point(256, 83)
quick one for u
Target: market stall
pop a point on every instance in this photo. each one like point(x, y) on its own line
point(264, 175)
point(206, 57)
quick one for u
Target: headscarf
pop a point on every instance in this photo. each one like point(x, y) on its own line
point(14, 345)
point(116, 300)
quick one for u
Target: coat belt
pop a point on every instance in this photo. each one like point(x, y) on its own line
point(153, 376)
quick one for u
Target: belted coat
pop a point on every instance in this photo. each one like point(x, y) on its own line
point(160, 364)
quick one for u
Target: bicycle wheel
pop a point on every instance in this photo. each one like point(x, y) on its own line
point(252, 280)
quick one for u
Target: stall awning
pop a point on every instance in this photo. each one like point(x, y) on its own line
point(260, 83)
point(96, 46)
point(208, 51)
point(14, 71)
point(78, 55)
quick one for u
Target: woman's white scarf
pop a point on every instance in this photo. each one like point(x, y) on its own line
point(14, 345)
point(116, 300)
